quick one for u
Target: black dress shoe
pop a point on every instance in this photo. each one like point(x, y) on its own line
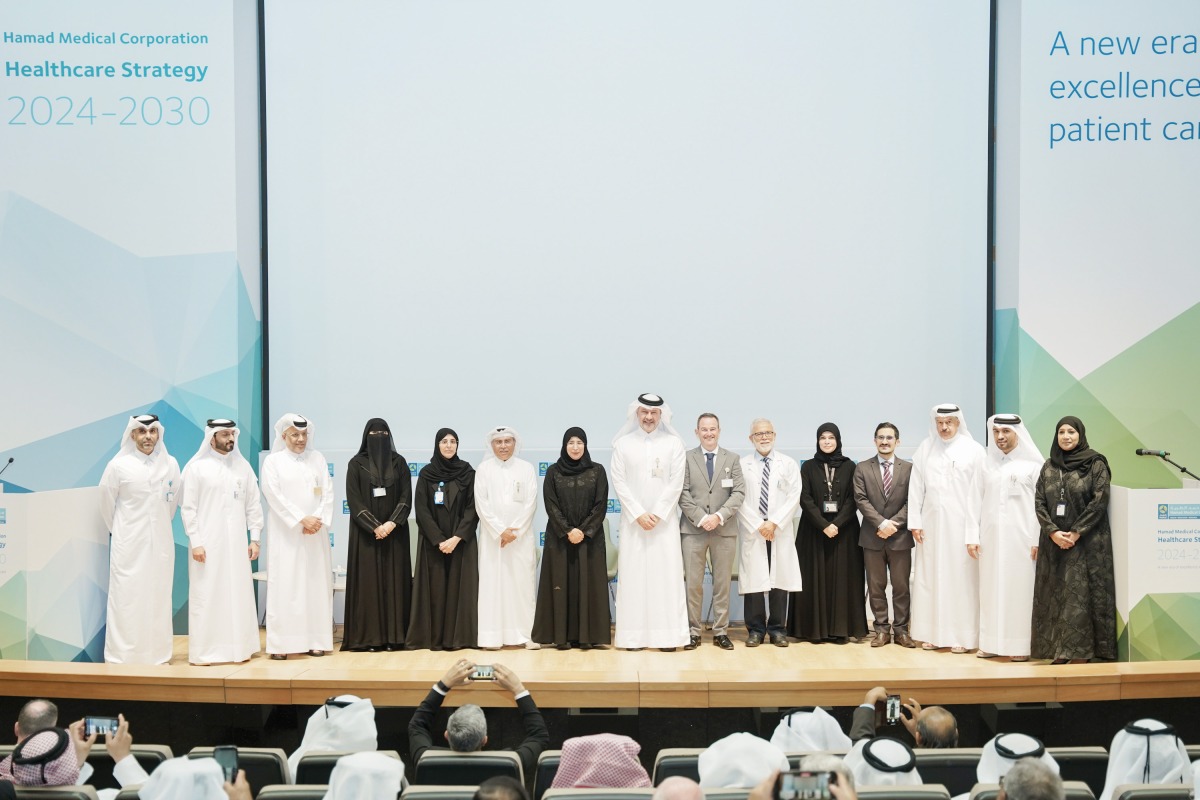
point(667, 649)
point(564, 646)
point(723, 642)
point(779, 640)
point(754, 639)
point(693, 643)
point(278, 657)
point(584, 646)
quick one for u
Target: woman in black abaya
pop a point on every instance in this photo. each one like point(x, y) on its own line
point(445, 613)
point(572, 600)
point(379, 570)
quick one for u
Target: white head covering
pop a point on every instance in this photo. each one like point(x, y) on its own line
point(129, 448)
point(1146, 751)
point(960, 439)
point(498, 432)
point(365, 776)
point(206, 451)
point(185, 778)
point(882, 761)
point(1006, 749)
point(344, 723)
point(1026, 449)
point(807, 730)
point(647, 401)
point(290, 420)
point(740, 760)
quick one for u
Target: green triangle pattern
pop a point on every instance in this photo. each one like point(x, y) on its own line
point(1164, 627)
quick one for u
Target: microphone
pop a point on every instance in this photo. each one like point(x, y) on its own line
point(1141, 451)
point(8, 464)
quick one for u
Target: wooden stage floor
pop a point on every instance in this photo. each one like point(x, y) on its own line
point(767, 676)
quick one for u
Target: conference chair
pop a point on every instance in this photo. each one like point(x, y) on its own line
point(148, 757)
point(1072, 790)
point(952, 767)
point(264, 766)
point(920, 791)
point(726, 793)
point(683, 761)
point(447, 768)
point(317, 765)
point(547, 768)
point(1152, 791)
point(56, 793)
point(599, 794)
point(129, 794)
point(1087, 764)
point(447, 792)
point(296, 791)
point(1193, 751)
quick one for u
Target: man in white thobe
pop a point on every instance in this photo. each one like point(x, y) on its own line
point(943, 515)
point(647, 474)
point(506, 499)
point(768, 562)
point(299, 493)
point(220, 503)
point(138, 497)
point(1007, 541)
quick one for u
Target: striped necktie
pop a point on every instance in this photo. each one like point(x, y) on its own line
point(765, 491)
point(887, 478)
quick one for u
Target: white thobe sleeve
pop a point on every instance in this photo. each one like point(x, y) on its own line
point(916, 495)
point(668, 499)
point(326, 497)
point(110, 487)
point(176, 486)
point(276, 498)
point(483, 503)
point(620, 483)
point(782, 513)
point(974, 504)
point(529, 507)
point(979, 485)
point(129, 772)
point(254, 515)
point(189, 510)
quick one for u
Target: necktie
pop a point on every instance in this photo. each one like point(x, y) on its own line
point(765, 491)
point(709, 457)
point(887, 478)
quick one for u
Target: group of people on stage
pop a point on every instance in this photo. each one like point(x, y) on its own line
point(992, 550)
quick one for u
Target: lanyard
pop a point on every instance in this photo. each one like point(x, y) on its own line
point(830, 473)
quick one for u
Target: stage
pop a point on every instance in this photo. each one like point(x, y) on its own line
point(708, 677)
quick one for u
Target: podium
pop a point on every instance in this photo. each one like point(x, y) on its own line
point(1156, 554)
point(53, 575)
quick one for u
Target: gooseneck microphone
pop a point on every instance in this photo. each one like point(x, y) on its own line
point(1141, 451)
point(7, 464)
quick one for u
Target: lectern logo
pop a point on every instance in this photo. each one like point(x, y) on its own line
point(3, 515)
point(542, 467)
point(614, 506)
point(1179, 510)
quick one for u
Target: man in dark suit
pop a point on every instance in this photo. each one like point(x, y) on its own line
point(713, 491)
point(881, 493)
point(466, 730)
point(932, 727)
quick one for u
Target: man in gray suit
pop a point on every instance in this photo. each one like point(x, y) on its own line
point(713, 490)
point(881, 493)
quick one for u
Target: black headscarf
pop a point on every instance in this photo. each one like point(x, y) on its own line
point(379, 451)
point(447, 470)
point(569, 466)
point(834, 459)
point(1081, 457)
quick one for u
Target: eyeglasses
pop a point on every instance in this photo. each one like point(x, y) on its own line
point(763, 435)
point(885, 438)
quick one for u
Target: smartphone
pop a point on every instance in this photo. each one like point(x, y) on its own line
point(799, 784)
point(891, 710)
point(104, 725)
point(226, 756)
point(483, 672)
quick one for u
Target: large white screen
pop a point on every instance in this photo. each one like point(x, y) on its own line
point(526, 212)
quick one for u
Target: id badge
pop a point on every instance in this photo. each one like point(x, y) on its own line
point(317, 491)
point(727, 483)
point(657, 472)
point(829, 506)
point(378, 491)
point(1014, 488)
point(237, 489)
point(439, 498)
point(1060, 510)
point(518, 492)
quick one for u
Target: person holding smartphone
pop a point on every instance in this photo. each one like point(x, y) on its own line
point(929, 727)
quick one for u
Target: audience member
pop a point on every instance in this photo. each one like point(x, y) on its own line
point(765, 790)
point(366, 776)
point(600, 761)
point(882, 761)
point(34, 716)
point(466, 730)
point(930, 727)
point(45, 758)
point(740, 760)
point(803, 729)
point(501, 787)
point(1146, 751)
point(344, 723)
point(1006, 749)
point(678, 787)
point(1031, 779)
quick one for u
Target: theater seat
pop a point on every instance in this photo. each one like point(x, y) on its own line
point(446, 768)
point(547, 768)
point(297, 791)
point(921, 791)
point(447, 792)
point(682, 761)
point(598, 794)
point(952, 767)
point(148, 756)
point(1152, 791)
point(56, 792)
point(1072, 790)
point(317, 765)
point(1087, 764)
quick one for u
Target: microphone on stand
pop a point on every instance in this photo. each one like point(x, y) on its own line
point(8, 464)
point(1141, 451)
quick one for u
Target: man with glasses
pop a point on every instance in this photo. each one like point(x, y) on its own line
point(768, 563)
point(881, 493)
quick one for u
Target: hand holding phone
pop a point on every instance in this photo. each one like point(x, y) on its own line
point(226, 756)
point(800, 784)
point(104, 725)
point(483, 672)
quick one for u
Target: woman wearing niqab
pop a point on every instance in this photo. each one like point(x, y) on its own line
point(379, 570)
point(572, 601)
point(446, 585)
point(1074, 592)
point(832, 606)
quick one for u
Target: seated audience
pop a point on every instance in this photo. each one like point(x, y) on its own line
point(740, 760)
point(45, 758)
point(600, 761)
point(828, 762)
point(803, 730)
point(366, 776)
point(882, 761)
point(36, 715)
point(501, 787)
point(343, 724)
point(1146, 751)
point(929, 727)
point(1004, 750)
point(1031, 779)
point(678, 787)
point(186, 778)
